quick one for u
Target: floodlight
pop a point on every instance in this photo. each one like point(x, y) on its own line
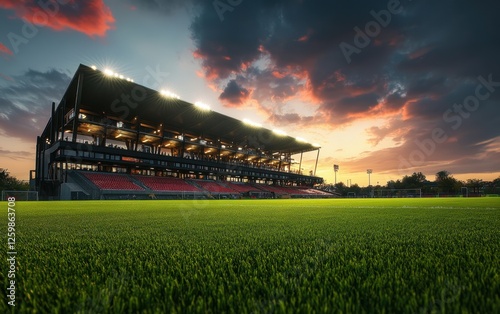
point(251, 123)
point(202, 106)
point(169, 94)
point(279, 132)
point(108, 72)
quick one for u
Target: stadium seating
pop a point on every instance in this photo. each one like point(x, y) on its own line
point(112, 181)
point(241, 187)
point(215, 187)
point(274, 189)
point(167, 184)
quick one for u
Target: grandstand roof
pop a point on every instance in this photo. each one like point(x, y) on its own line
point(115, 97)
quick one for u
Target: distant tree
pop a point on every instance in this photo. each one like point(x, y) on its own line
point(394, 184)
point(442, 175)
point(474, 185)
point(11, 183)
point(446, 183)
point(355, 188)
point(341, 188)
point(492, 187)
point(415, 181)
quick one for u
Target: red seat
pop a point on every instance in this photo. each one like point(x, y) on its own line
point(111, 181)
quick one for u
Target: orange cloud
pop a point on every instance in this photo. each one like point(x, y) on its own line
point(92, 18)
point(4, 49)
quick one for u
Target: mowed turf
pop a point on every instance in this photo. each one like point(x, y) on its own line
point(259, 256)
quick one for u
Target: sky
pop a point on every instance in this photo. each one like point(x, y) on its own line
point(393, 86)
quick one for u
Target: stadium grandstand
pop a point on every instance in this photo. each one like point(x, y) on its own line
point(110, 138)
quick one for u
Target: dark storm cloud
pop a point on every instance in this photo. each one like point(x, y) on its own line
point(301, 40)
point(234, 94)
point(25, 103)
point(359, 103)
point(164, 6)
point(421, 60)
point(272, 84)
point(228, 46)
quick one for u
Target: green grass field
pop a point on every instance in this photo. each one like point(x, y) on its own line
point(269, 256)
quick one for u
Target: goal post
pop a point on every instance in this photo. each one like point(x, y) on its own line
point(397, 193)
point(20, 195)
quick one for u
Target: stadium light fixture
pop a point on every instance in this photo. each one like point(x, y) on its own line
point(202, 106)
point(169, 94)
point(108, 72)
point(369, 172)
point(279, 132)
point(251, 123)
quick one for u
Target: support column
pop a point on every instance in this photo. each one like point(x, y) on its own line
point(316, 166)
point(76, 107)
point(300, 163)
point(138, 129)
point(62, 107)
point(52, 122)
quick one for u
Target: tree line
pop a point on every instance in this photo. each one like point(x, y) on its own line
point(443, 184)
point(10, 183)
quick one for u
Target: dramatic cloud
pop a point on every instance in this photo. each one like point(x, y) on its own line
point(233, 94)
point(409, 63)
point(164, 6)
point(5, 50)
point(25, 104)
point(92, 17)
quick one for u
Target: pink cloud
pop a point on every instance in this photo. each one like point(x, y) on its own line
point(4, 49)
point(92, 18)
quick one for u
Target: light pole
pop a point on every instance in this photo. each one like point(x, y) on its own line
point(369, 171)
point(336, 169)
